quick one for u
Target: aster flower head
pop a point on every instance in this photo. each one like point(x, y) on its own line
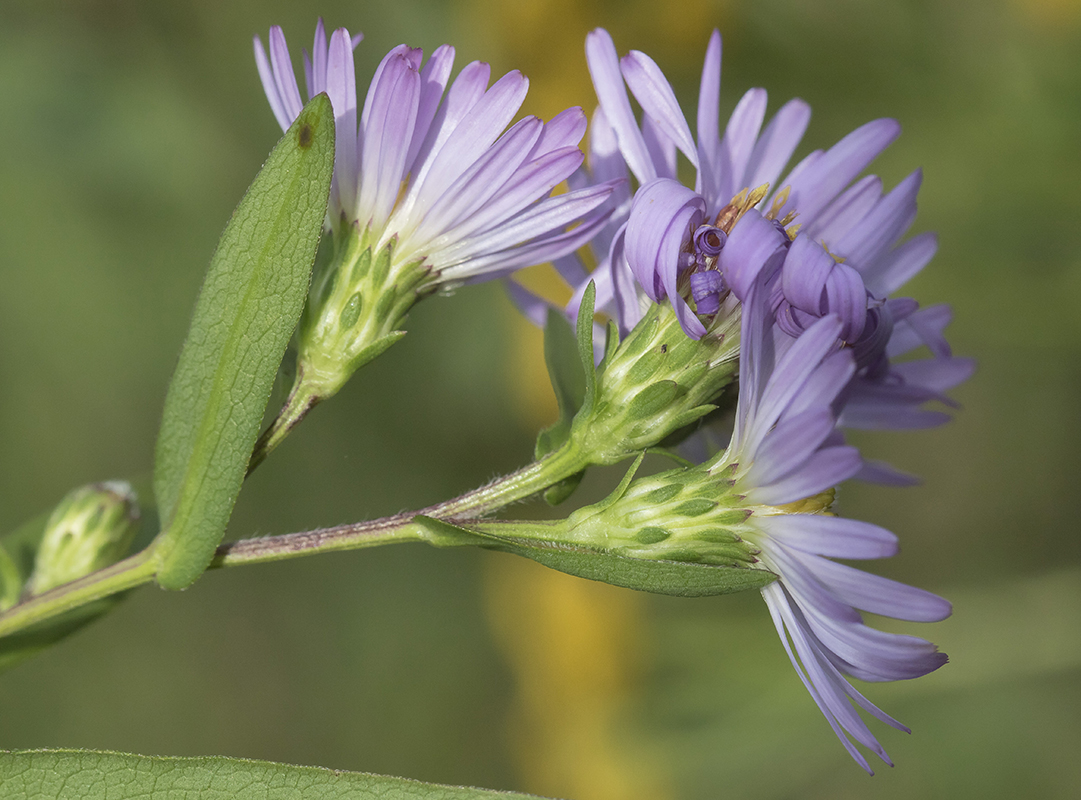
point(827, 242)
point(676, 236)
point(765, 503)
point(431, 190)
point(784, 457)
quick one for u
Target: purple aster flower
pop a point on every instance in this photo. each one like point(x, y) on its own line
point(431, 190)
point(673, 231)
point(829, 246)
point(434, 170)
point(604, 166)
point(846, 260)
point(765, 504)
point(784, 459)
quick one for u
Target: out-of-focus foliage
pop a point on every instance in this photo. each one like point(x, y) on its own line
point(129, 131)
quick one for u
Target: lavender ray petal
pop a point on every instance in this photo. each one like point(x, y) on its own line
point(388, 128)
point(342, 90)
point(824, 384)
point(785, 448)
point(884, 474)
point(777, 144)
point(834, 687)
point(476, 197)
point(823, 470)
point(317, 83)
point(783, 620)
point(871, 654)
point(659, 206)
point(474, 134)
point(847, 297)
point(624, 286)
point(804, 274)
point(607, 79)
point(565, 129)
point(850, 206)
point(929, 325)
point(487, 264)
point(936, 374)
point(283, 73)
point(834, 537)
point(605, 159)
point(788, 378)
point(270, 85)
point(433, 79)
point(653, 92)
point(901, 264)
point(878, 595)
point(814, 188)
point(709, 113)
point(891, 417)
point(891, 216)
point(739, 140)
point(528, 184)
point(662, 151)
point(518, 241)
point(757, 360)
point(464, 94)
point(754, 246)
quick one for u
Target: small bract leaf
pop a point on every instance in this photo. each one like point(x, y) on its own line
point(584, 333)
point(248, 307)
point(92, 775)
point(568, 381)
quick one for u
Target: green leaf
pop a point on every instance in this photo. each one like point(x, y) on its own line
point(676, 578)
point(248, 307)
point(568, 381)
point(92, 775)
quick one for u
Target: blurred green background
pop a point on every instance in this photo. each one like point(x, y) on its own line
point(129, 131)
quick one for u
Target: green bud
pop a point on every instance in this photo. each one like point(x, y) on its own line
point(654, 383)
point(92, 528)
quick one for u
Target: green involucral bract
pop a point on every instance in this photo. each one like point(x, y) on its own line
point(246, 313)
point(657, 381)
point(357, 301)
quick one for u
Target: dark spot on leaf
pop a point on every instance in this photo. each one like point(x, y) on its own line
point(305, 136)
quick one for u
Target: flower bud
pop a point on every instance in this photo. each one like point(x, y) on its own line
point(92, 528)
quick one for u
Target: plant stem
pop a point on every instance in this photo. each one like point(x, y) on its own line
point(501, 492)
point(389, 530)
point(140, 568)
point(301, 400)
point(126, 574)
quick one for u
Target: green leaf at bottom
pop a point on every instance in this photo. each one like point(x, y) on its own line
point(92, 775)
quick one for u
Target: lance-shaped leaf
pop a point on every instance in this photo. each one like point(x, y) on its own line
point(91, 775)
point(248, 307)
point(681, 579)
